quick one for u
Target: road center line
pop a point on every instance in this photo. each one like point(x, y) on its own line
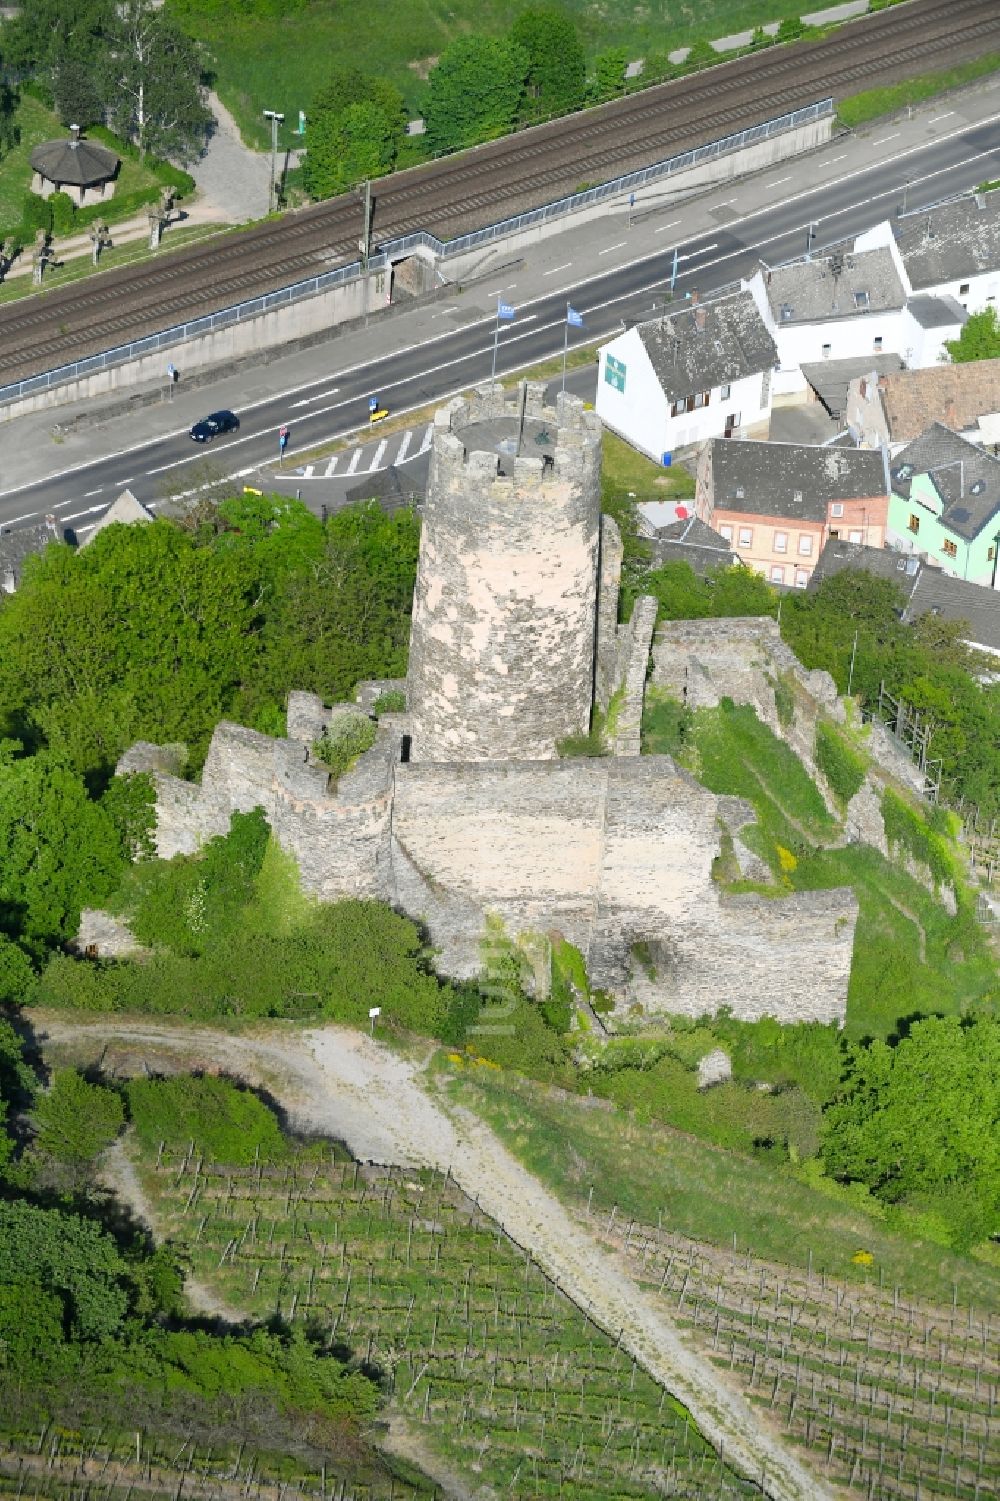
point(556, 269)
point(608, 248)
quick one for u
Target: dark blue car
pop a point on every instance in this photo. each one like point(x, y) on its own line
point(211, 426)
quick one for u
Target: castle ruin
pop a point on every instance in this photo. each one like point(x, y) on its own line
point(464, 812)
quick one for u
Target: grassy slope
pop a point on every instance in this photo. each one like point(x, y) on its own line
point(890, 979)
point(281, 62)
point(708, 1193)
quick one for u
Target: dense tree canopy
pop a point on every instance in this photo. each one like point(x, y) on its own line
point(557, 65)
point(475, 91)
point(355, 127)
point(922, 1118)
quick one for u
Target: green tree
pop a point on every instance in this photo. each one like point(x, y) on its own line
point(979, 339)
point(474, 93)
point(557, 65)
point(609, 74)
point(153, 82)
point(346, 148)
point(922, 1119)
point(74, 1120)
point(58, 850)
point(69, 1256)
point(347, 86)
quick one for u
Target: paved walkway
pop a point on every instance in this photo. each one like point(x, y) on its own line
point(233, 181)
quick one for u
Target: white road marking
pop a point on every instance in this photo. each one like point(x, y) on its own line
point(608, 249)
point(882, 139)
point(404, 445)
point(88, 493)
point(428, 435)
point(320, 396)
point(837, 159)
point(942, 117)
point(355, 460)
point(664, 227)
point(309, 471)
point(125, 481)
point(380, 450)
point(702, 251)
point(556, 269)
point(88, 512)
point(331, 468)
point(775, 184)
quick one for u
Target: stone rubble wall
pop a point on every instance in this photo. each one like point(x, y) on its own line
point(607, 676)
point(627, 739)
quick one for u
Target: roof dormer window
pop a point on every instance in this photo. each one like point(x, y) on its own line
point(862, 300)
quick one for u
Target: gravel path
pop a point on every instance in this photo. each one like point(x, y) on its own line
point(233, 181)
point(340, 1083)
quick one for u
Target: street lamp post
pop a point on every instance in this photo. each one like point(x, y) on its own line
point(996, 559)
point(276, 118)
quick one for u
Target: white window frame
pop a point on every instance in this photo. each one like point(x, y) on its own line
point(746, 536)
point(726, 531)
point(855, 538)
point(805, 545)
point(777, 574)
point(781, 541)
point(837, 508)
point(801, 578)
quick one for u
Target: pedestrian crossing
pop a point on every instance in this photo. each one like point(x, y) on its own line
point(369, 458)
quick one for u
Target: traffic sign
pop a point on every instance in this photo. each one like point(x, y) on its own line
point(373, 403)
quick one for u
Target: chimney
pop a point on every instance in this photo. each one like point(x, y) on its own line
point(74, 136)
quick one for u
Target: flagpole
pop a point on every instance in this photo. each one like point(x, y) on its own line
point(496, 335)
point(565, 347)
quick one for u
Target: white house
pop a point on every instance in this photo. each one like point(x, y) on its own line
point(847, 306)
point(701, 372)
point(950, 251)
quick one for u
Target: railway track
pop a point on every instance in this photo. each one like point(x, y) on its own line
point(467, 191)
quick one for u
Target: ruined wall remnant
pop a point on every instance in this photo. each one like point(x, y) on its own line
point(505, 611)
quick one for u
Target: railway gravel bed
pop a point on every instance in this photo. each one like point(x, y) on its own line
point(467, 191)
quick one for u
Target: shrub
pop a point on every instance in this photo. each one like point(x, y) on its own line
point(344, 740)
point(36, 214)
point(226, 1123)
point(842, 766)
point(784, 700)
point(906, 829)
point(392, 701)
point(76, 1120)
point(63, 211)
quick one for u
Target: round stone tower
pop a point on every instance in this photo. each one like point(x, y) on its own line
point(505, 609)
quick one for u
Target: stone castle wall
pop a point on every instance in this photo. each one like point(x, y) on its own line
point(503, 638)
point(605, 852)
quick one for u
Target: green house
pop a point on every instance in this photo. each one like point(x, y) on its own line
point(944, 503)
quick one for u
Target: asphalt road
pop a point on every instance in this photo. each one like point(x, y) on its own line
point(456, 359)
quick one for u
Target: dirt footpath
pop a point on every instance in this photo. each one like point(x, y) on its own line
point(339, 1083)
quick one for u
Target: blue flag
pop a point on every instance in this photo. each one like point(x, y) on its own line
point(573, 318)
point(505, 311)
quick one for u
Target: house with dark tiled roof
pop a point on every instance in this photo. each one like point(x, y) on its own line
point(777, 504)
point(700, 372)
point(18, 544)
point(926, 590)
point(954, 250)
point(944, 503)
point(676, 535)
point(848, 305)
point(895, 408)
